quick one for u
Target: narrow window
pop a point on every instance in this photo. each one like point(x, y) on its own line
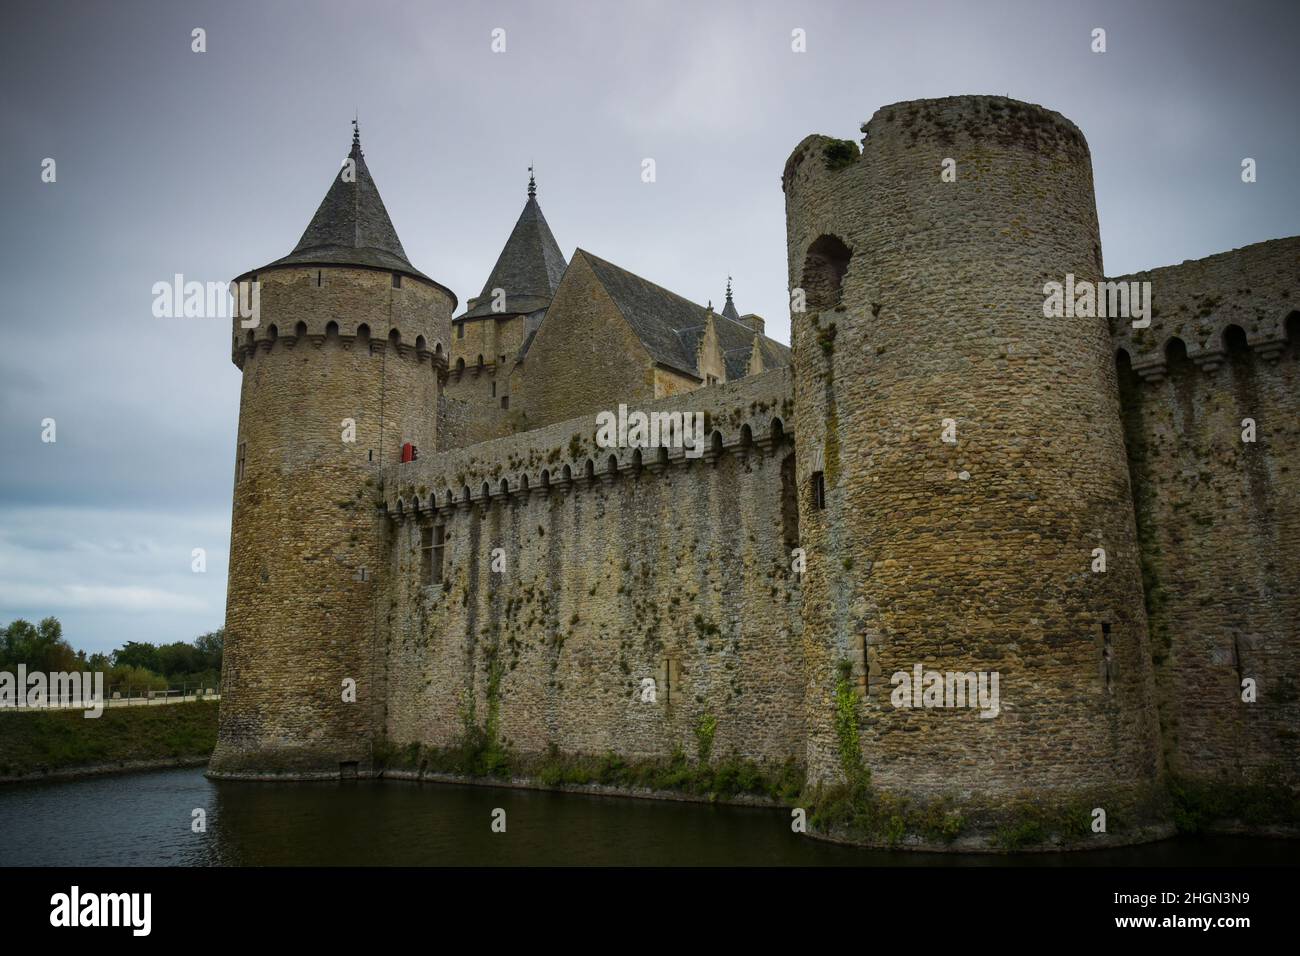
point(431, 547)
point(370, 455)
point(494, 389)
point(860, 664)
point(239, 461)
point(1106, 662)
point(668, 680)
point(435, 554)
point(819, 490)
point(503, 360)
point(505, 402)
point(397, 280)
point(460, 331)
point(426, 553)
point(318, 272)
point(789, 504)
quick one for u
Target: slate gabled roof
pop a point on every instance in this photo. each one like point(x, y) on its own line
point(352, 227)
point(737, 362)
point(529, 268)
point(775, 355)
point(668, 325)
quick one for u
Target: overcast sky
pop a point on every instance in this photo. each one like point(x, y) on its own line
point(208, 164)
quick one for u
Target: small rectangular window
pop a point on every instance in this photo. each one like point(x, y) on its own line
point(819, 490)
point(494, 389)
point(505, 401)
point(669, 680)
point(239, 461)
point(431, 548)
point(397, 280)
point(318, 277)
point(460, 331)
point(789, 504)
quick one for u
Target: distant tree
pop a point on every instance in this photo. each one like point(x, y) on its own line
point(137, 654)
point(136, 663)
point(179, 658)
point(210, 646)
point(40, 647)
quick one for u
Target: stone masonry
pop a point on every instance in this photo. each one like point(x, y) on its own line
point(949, 461)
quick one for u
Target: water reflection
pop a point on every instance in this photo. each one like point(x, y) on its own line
point(145, 819)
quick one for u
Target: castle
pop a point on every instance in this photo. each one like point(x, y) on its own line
point(935, 475)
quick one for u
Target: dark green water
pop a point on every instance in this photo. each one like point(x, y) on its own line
point(144, 819)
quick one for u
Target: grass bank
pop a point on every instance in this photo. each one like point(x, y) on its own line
point(33, 745)
point(725, 779)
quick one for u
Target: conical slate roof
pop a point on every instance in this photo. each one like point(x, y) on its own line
point(729, 310)
point(529, 268)
point(351, 226)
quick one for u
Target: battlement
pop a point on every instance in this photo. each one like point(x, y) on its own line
point(750, 416)
point(1195, 306)
point(351, 307)
point(949, 123)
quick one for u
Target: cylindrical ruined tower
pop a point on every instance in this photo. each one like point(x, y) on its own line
point(339, 371)
point(961, 458)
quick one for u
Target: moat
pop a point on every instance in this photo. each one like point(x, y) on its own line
point(145, 819)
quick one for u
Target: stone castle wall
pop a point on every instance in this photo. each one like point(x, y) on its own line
point(531, 581)
point(306, 540)
point(614, 571)
point(926, 304)
point(1220, 531)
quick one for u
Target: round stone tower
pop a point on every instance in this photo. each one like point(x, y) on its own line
point(341, 367)
point(960, 459)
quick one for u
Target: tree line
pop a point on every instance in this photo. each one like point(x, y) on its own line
point(136, 664)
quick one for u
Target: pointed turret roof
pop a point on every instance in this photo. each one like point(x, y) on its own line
point(530, 266)
point(729, 310)
point(351, 225)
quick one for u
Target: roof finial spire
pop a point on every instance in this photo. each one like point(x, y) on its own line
point(356, 134)
point(728, 288)
point(532, 183)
